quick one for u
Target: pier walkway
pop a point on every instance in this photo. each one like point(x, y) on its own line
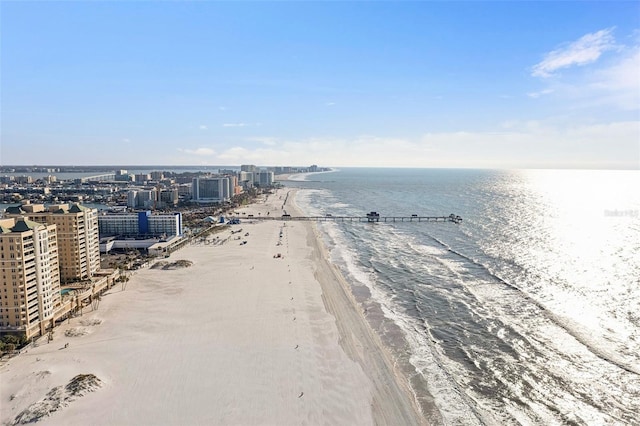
point(368, 218)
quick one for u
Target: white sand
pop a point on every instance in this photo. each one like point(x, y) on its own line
point(239, 338)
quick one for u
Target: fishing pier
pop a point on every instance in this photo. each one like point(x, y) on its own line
point(370, 217)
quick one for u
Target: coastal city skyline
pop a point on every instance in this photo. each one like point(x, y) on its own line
point(415, 84)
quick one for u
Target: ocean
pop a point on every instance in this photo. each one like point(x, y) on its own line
point(527, 312)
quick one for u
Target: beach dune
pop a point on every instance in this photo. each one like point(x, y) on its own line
point(262, 332)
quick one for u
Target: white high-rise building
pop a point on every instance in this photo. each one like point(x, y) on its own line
point(264, 178)
point(132, 199)
point(211, 189)
point(246, 177)
point(147, 198)
point(142, 198)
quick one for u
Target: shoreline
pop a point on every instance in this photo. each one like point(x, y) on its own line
point(393, 400)
point(240, 337)
point(383, 337)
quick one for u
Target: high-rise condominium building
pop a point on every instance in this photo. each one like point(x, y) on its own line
point(248, 168)
point(78, 239)
point(264, 178)
point(211, 189)
point(29, 279)
point(168, 198)
point(142, 198)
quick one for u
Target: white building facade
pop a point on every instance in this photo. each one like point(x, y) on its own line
point(211, 189)
point(140, 224)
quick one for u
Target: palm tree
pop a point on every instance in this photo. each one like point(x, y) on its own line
point(123, 278)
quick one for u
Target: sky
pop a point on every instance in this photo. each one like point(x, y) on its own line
point(547, 84)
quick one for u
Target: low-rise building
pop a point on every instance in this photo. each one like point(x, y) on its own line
point(140, 224)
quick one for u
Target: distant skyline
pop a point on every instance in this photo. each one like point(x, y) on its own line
point(338, 84)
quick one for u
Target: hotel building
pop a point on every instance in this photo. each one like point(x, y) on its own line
point(140, 224)
point(77, 232)
point(29, 278)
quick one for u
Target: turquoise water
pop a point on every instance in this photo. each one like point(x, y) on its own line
point(528, 312)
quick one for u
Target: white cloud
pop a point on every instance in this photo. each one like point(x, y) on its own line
point(624, 74)
point(240, 155)
point(536, 95)
point(542, 144)
point(198, 151)
point(514, 144)
point(611, 85)
point(619, 83)
point(203, 127)
point(330, 104)
point(242, 125)
point(585, 50)
point(264, 140)
point(126, 140)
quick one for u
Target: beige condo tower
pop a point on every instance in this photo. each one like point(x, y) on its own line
point(29, 278)
point(78, 239)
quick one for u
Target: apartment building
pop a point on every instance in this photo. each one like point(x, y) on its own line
point(29, 278)
point(246, 179)
point(168, 198)
point(264, 178)
point(152, 198)
point(248, 168)
point(212, 189)
point(77, 232)
point(145, 198)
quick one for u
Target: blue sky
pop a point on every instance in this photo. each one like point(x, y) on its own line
point(395, 84)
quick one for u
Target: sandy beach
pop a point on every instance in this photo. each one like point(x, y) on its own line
point(257, 333)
